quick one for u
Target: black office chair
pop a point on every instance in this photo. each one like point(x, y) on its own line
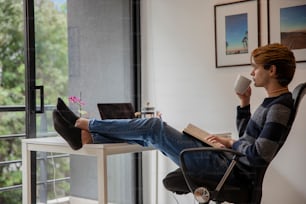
point(245, 191)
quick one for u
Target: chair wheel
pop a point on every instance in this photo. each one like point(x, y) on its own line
point(202, 195)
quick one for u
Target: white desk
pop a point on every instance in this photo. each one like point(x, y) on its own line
point(58, 145)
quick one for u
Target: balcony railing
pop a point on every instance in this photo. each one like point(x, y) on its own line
point(42, 158)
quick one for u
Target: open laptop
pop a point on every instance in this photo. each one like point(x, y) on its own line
point(116, 110)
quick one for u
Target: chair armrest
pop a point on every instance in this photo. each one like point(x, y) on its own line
point(212, 149)
point(191, 186)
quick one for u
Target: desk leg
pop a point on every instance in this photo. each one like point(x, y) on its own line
point(26, 174)
point(102, 176)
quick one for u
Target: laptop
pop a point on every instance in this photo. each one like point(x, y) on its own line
point(116, 110)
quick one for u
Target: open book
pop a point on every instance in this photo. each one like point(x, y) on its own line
point(200, 134)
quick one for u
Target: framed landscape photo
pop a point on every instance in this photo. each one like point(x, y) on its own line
point(287, 25)
point(237, 31)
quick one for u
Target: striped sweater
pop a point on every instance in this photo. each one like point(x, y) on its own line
point(260, 134)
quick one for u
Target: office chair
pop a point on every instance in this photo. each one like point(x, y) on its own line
point(244, 191)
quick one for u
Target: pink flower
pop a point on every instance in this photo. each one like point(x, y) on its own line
point(74, 99)
point(79, 102)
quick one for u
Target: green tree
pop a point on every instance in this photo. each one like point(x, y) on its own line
point(51, 71)
point(51, 49)
point(11, 92)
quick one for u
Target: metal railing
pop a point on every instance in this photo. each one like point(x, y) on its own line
point(41, 158)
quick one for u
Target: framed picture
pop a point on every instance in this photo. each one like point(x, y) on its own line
point(287, 25)
point(237, 32)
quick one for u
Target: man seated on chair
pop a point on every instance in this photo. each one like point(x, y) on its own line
point(273, 68)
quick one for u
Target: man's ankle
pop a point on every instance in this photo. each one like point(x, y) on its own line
point(86, 137)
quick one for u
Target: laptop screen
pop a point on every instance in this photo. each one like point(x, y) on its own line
point(116, 110)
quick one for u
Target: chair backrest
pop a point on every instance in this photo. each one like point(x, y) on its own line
point(297, 95)
point(116, 110)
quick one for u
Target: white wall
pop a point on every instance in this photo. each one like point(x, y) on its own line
point(180, 79)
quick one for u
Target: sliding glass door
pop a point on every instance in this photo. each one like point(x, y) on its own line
point(46, 78)
point(86, 49)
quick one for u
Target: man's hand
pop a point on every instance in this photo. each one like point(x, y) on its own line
point(245, 98)
point(221, 141)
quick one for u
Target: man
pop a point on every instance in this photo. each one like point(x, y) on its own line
point(259, 135)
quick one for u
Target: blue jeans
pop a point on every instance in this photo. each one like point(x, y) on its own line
point(154, 132)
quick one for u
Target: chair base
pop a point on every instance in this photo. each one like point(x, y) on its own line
point(175, 182)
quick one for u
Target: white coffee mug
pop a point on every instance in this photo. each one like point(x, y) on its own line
point(242, 83)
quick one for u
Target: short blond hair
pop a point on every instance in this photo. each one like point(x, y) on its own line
point(280, 56)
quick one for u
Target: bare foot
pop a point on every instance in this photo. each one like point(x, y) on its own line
point(82, 123)
point(86, 137)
